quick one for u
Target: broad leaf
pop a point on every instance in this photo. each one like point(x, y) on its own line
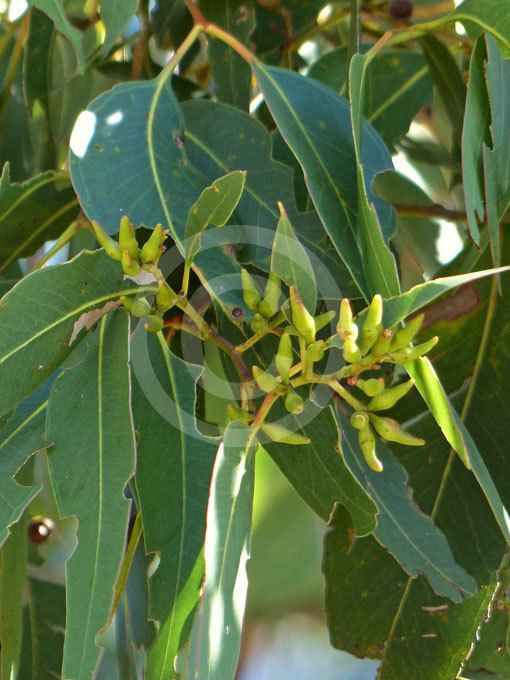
point(398, 86)
point(214, 206)
point(32, 213)
point(56, 12)
point(315, 123)
point(227, 546)
point(43, 632)
point(172, 481)
point(290, 262)
point(408, 534)
point(231, 73)
point(90, 425)
point(50, 302)
point(318, 471)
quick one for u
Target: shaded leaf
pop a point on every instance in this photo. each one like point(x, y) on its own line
point(408, 534)
point(398, 86)
point(56, 11)
point(31, 351)
point(173, 475)
point(231, 73)
point(23, 435)
point(475, 133)
point(448, 80)
point(115, 17)
point(89, 422)
point(13, 564)
point(318, 471)
point(33, 212)
point(43, 633)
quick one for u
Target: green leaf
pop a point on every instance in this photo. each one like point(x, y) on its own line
point(318, 471)
point(43, 633)
point(378, 261)
point(115, 17)
point(33, 212)
point(214, 206)
point(227, 546)
point(13, 563)
point(489, 15)
point(90, 464)
point(408, 534)
point(398, 86)
point(231, 74)
point(56, 12)
point(172, 477)
point(491, 652)
point(53, 303)
point(315, 123)
point(397, 308)
point(290, 262)
point(475, 133)
point(448, 80)
point(23, 435)
point(474, 369)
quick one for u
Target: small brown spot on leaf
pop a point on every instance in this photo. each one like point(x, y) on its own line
point(460, 303)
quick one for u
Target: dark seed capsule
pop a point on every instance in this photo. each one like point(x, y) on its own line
point(40, 529)
point(237, 312)
point(401, 9)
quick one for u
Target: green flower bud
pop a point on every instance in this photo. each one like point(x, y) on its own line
point(269, 305)
point(359, 420)
point(127, 238)
point(372, 386)
point(151, 250)
point(404, 356)
point(264, 380)
point(390, 430)
point(279, 433)
point(154, 322)
point(136, 306)
point(111, 247)
point(346, 328)
point(129, 266)
point(372, 325)
point(258, 324)
point(315, 351)
point(165, 297)
point(251, 295)
point(284, 357)
point(390, 396)
point(294, 403)
point(382, 344)
point(351, 351)
point(303, 321)
point(236, 413)
point(404, 336)
point(324, 320)
point(367, 445)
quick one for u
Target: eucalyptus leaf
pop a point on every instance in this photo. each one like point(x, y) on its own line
point(100, 442)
